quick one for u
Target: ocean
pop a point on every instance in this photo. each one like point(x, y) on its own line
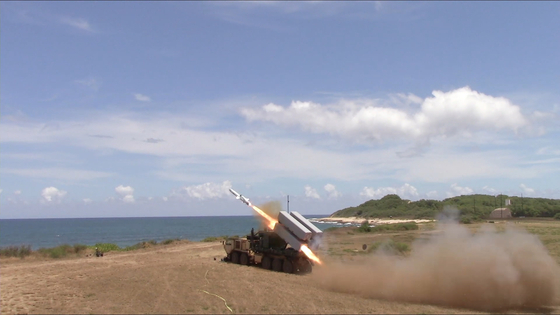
point(45, 233)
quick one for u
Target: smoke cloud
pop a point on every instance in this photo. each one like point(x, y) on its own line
point(486, 270)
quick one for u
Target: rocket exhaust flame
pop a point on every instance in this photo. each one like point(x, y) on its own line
point(270, 221)
point(310, 254)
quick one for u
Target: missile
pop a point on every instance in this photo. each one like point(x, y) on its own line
point(244, 199)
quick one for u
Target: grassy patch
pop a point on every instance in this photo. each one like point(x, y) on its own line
point(408, 226)
point(61, 250)
point(106, 247)
point(331, 229)
point(169, 241)
point(218, 238)
point(390, 247)
point(16, 251)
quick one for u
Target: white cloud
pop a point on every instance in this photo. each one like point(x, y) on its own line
point(52, 195)
point(142, 98)
point(128, 199)
point(527, 190)
point(405, 191)
point(204, 191)
point(17, 192)
point(489, 189)
point(458, 112)
point(182, 148)
point(457, 190)
point(311, 193)
point(78, 23)
point(126, 193)
point(58, 173)
point(87, 201)
point(1, 190)
point(332, 193)
point(124, 190)
point(432, 194)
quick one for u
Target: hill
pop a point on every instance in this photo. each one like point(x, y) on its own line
point(470, 206)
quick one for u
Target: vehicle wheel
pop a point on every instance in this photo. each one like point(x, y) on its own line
point(235, 257)
point(244, 259)
point(305, 267)
point(277, 264)
point(288, 267)
point(266, 263)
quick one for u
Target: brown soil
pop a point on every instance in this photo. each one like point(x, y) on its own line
point(178, 278)
point(189, 277)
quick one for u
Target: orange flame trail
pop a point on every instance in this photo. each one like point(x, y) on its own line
point(271, 222)
point(310, 254)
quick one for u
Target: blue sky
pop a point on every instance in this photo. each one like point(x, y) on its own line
point(157, 108)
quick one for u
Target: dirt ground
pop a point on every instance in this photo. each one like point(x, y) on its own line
point(186, 277)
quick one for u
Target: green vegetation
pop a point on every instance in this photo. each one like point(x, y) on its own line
point(16, 251)
point(64, 250)
point(472, 208)
point(407, 226)
point(218, 238)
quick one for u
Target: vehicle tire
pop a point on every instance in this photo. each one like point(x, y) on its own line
point(244, 259)
point(266, 263)
point(277, 264)
point(287, 266)
point(305, 267)
point(235, 257)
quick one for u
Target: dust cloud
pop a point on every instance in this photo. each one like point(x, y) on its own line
point(487, 270)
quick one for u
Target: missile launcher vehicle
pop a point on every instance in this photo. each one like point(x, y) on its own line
point(267, 250)
point(287, 247)
point(287, 244)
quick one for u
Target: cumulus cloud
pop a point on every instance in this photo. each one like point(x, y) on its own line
point(17, 192)
point(87, 201)
point(204, 191)
point(126, 193)
point(311, 192)
point(457, 112)
point(527, 190)
point(124, 190)
point(332, 193)
point(457, 190)
point(128, 199)
point(142, 98)
point(52, 195)
point(405, 191)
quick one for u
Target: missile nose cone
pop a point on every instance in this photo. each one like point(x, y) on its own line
point(233, 192)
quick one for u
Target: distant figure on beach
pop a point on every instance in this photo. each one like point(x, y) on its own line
point(98, 253)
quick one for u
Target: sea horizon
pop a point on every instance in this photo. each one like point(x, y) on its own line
point(125, 231)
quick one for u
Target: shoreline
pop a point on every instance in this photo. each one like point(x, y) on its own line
point(374, 221)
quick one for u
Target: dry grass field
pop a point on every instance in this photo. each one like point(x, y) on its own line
point(394, 274)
